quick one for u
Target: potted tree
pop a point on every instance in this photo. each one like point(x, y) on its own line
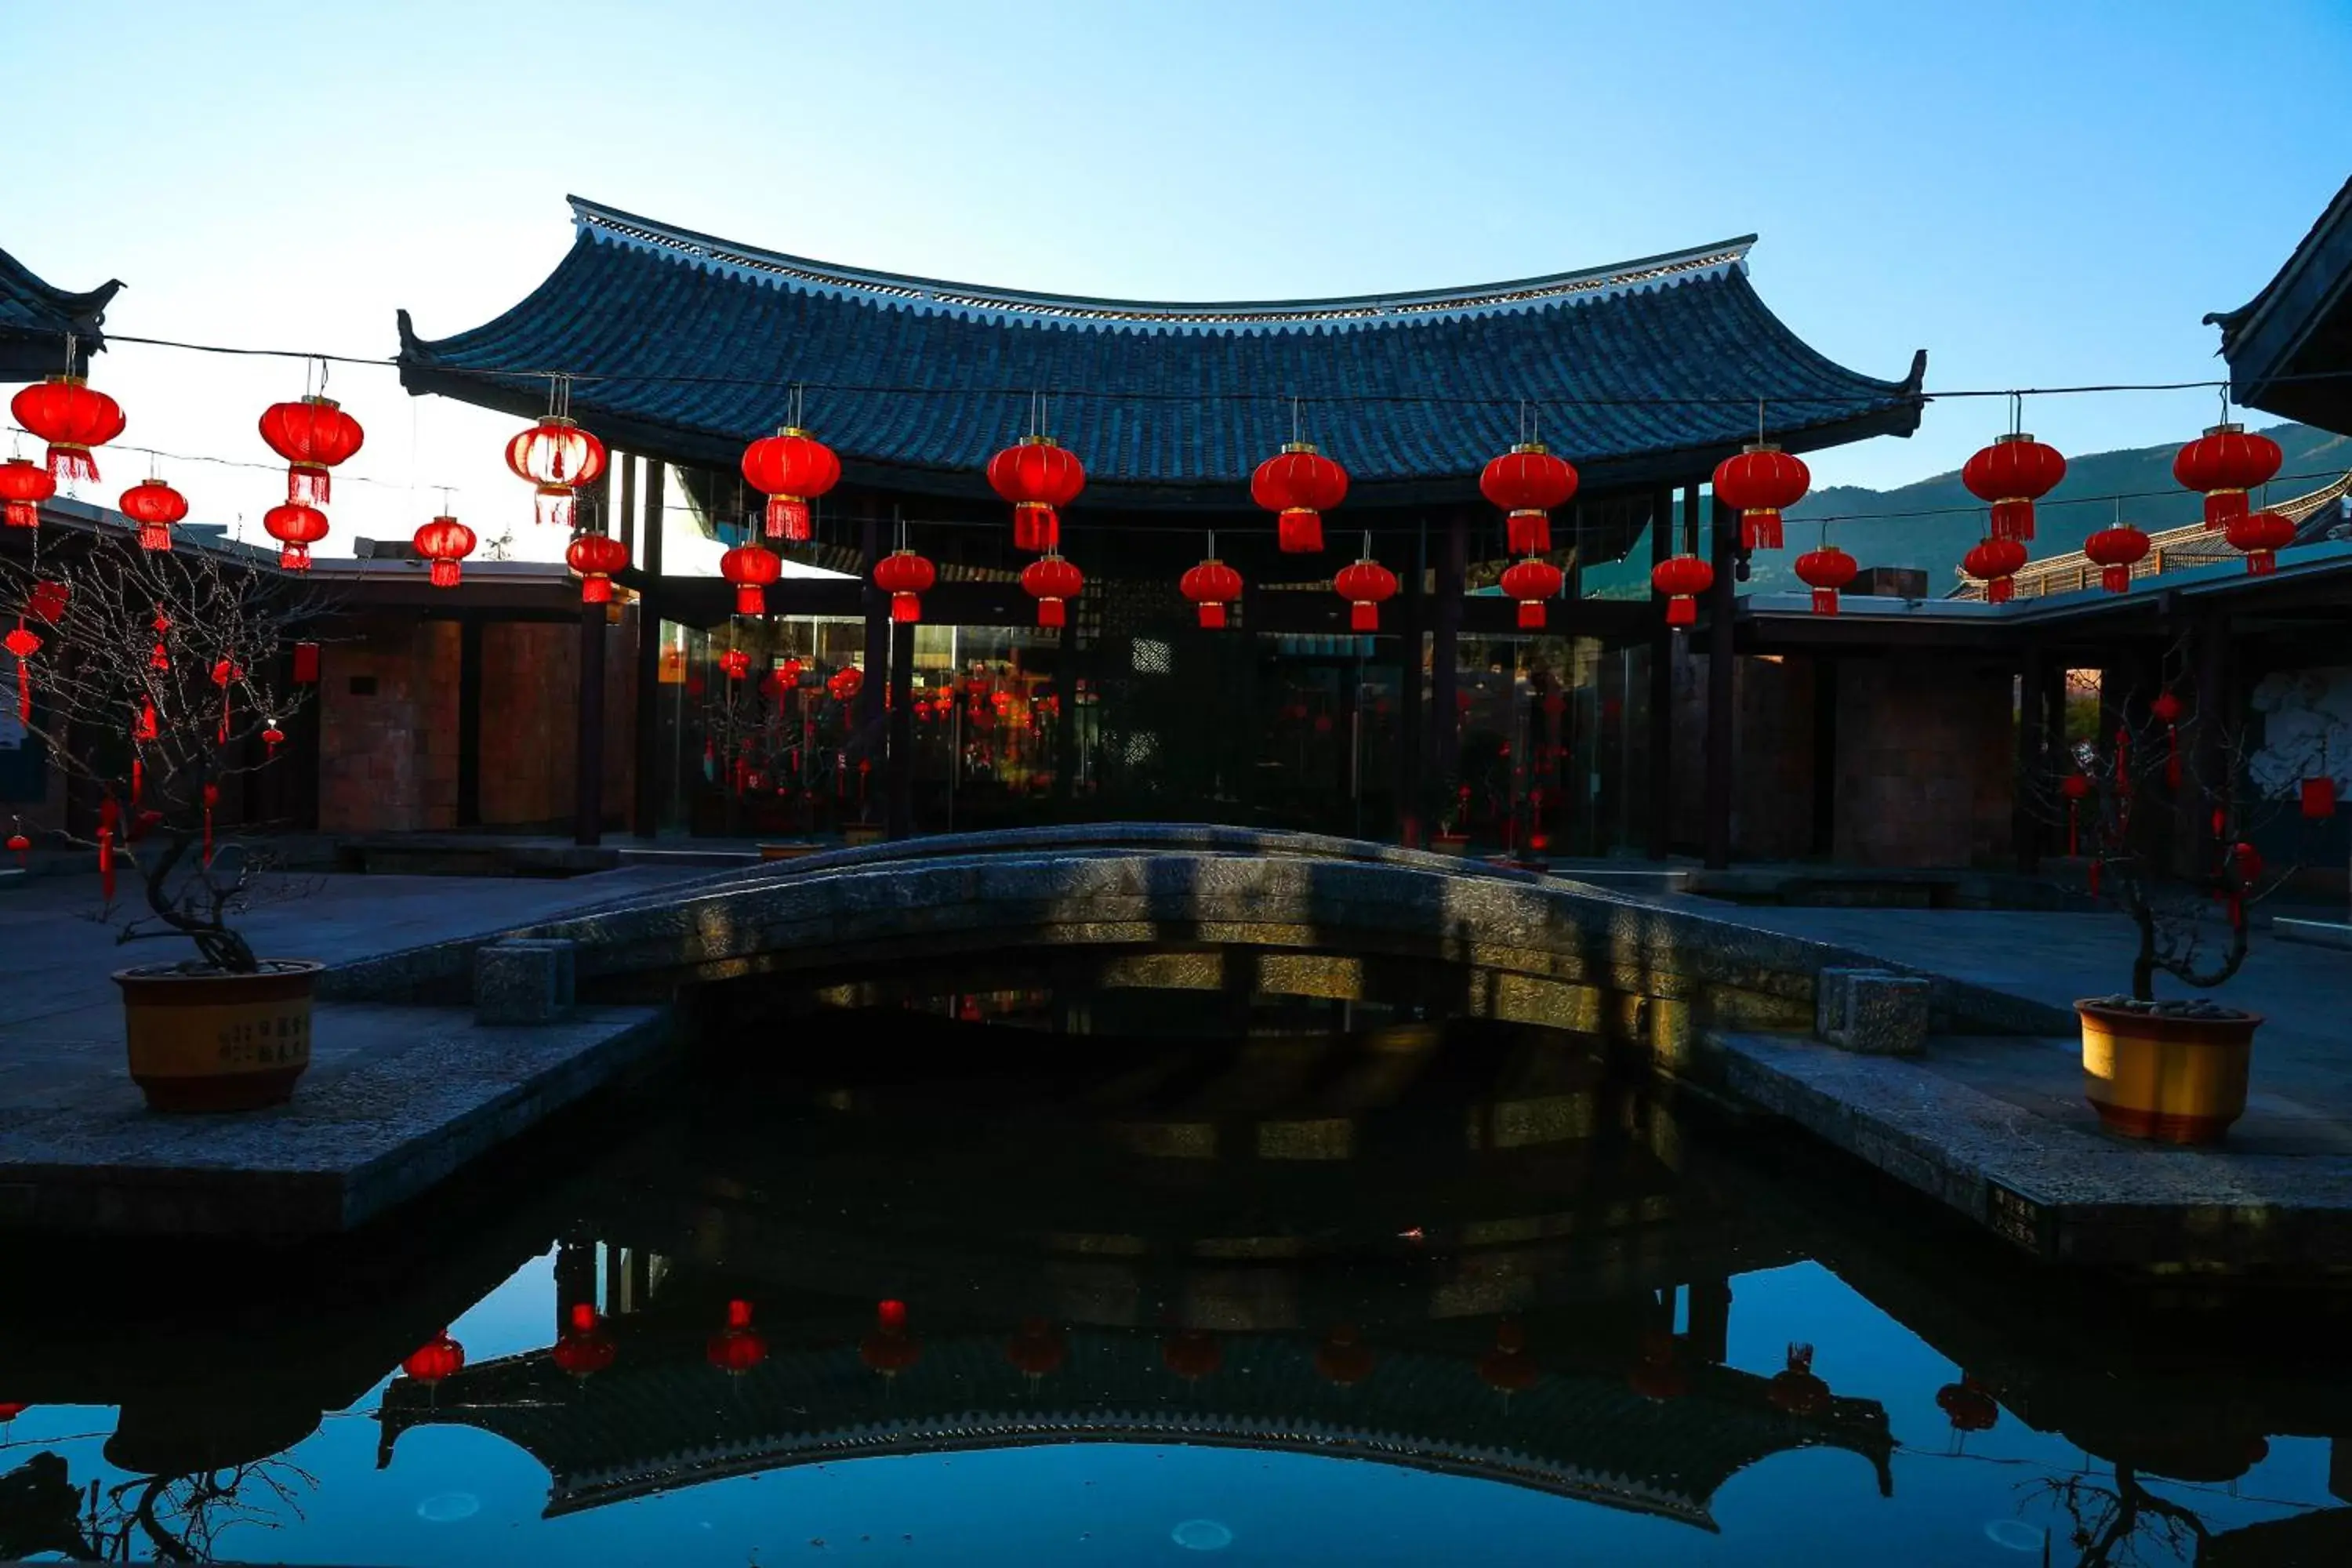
point(2156, 817)
point(155, 677)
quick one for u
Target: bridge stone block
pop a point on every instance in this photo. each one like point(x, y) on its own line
point(527, 981)
point(1873, 1011)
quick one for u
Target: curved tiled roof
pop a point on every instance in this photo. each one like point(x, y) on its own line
point(36, 317)
point(685, 346)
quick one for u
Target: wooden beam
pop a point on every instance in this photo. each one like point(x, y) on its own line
point(652, 777)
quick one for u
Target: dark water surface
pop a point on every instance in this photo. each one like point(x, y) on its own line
point(957, 1286)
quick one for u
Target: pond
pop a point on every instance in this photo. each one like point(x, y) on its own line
point(1129, 1277)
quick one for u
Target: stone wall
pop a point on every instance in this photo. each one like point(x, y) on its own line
point(1773, 795)
point(1926, 749)
point(388, 726)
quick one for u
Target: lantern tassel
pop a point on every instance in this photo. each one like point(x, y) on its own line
point(308, 484)
point(1049, 613)
point(905, 608)
point(1299, 531)
point(69, 462)
point(555, 507)
point(445, 573)
point(750, 599)
point(1531, 615)
point(2116, 579)
point(1825, 600)
point(1212, 616)
point(1682, 611)
point(1363, 617)
point(2000, 590)
point(1528, 533)
point(788, 518)
point(106, 863)
point(1760, 529)
point(2261, 564)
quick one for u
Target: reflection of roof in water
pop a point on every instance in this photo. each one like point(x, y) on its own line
point(661, 1417)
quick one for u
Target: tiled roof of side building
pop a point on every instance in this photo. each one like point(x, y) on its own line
point(36, 316)
point(686, 346)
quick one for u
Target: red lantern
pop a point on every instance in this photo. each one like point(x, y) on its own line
point(889, 1347)
point(846, 683)
point(22, 645)
point(1528, 482)
point(735, 664)
point(72, 418)
point(2259, 535)
point(583, 1349)
point(22, 848)
point(154, 506)
point(23, 485)
point(559, 458)
point(1507, 1368)
point(1211, 586)
point(1051, 580)
point(272, 737)
point(312, 436)
point(1825, 571)
point(2225, 463)
point(596, 556)
point(1343, 1357)
point(1039, 478)
point(1531, 582)
point(2011, 474)
point(1038, 1351)
point(1994, 562)
point(1299, 485)
point(1193, 1355)
point(906, 577)
point(791, 469)
point(1763, 481)
point(445, 542)
point(1682, 578)
point(306, 664)
point(2166, 710)
point(2117, 550)
point(739, 1347)
point(1795, 1389)
point(1967, 1405)
point(295, 528)
point(438, 1358)
point(750, 567)
point(2319, 798)
point(1366, 585)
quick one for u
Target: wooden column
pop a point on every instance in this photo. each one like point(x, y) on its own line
point(2032, 777)
point(651, 776)
point(899, 766)
point(588, 767)
point(470, 722)
point(1721, 690)
point(1412, 830)
point(1710, 1319)
point(1662, 683)
point(1445, 717)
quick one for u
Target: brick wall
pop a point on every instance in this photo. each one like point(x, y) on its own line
point(1925, 749)
point(388, 726)
point(1772, 796)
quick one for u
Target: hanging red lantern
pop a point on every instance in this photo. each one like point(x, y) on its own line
point(1795, 1389)
point(1825, 571)
point(22, 848)
point(906, 577)
point(1343, 1357)
point(2166, 710)
point(788, 674)
point(1762, 481)
point(583, 1349)
point(2319, 798)
point(846, 683)
point(313, 435)
point(2116, 550)
point(1994, 562)
point(295, 528)
point(23, 485)
point(445, 542)
point(560, 457)
point(1211, 586)
point(272, 737)
point(1038, 1351)
point(735, 664)
point(1682, 578)
point(72, 417)
point(1968, 1407)
point(1366, 585)
point(46, 599)
point(1507, 1368)
point(306, 664)
point(154, 506)
point(439, 1357)
point(1039, 478)
point(23, 644)
point(2225, 463)
point(1527, 482)
point(2259, 536)
point(2011, 474)
point(739, 1347)
point(1531, 582)
point(596, 556)
point(1051, 580)
point(791, 469)
point(1298, 484)
point(750, 567)
point(2077, 789)
point(889, 1347)
point(1193, 1355)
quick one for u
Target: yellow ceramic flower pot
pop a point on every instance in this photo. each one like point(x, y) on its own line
point(2174, 1079)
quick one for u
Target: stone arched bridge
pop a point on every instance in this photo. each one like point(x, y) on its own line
point(1181, 906)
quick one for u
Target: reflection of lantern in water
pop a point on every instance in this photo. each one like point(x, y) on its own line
point(1192, 1353)
point(1508, 1368)
point(1657, 1374)
point(1968, 1405)
point(437, 1358)
point(584, 1349)
point(1343, 1357)
point(9, 1412)
point(1794, 1387)
point(736, 1348)
point(889, 1348)
point(1038, 1349)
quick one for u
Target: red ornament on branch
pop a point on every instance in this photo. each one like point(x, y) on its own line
point(46, 600)
point(22, 645)
point(596, 556)
point(2011, 474)
point(154, 506)
point(1682, 579)
point(1527, 482)
point(750, 567)
point(791, 469)
point(1994, 562)
point(845, 683)
point(1298, 484)
point(2259, 536)
point(23, 485)
point(1763, 481)
point(73, 418)
point(2319, 798)
point(445, 542)
point(2077, 789)
point(1211, 586)
point(1051, 581)
point(226, 673)
point(1532, 582)
point(735, 664)
point(1825, 571)
point(559, 458)
point(295, 528)
point(1039, 478)
point(313, 435)
point(2166, 710)
point(906, 577)
point(2116, 550)
point(2225, 463)
point(1366, 585)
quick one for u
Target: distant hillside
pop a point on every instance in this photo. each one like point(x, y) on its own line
point(1877, 538)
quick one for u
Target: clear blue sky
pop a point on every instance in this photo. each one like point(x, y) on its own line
point(2043, 193)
